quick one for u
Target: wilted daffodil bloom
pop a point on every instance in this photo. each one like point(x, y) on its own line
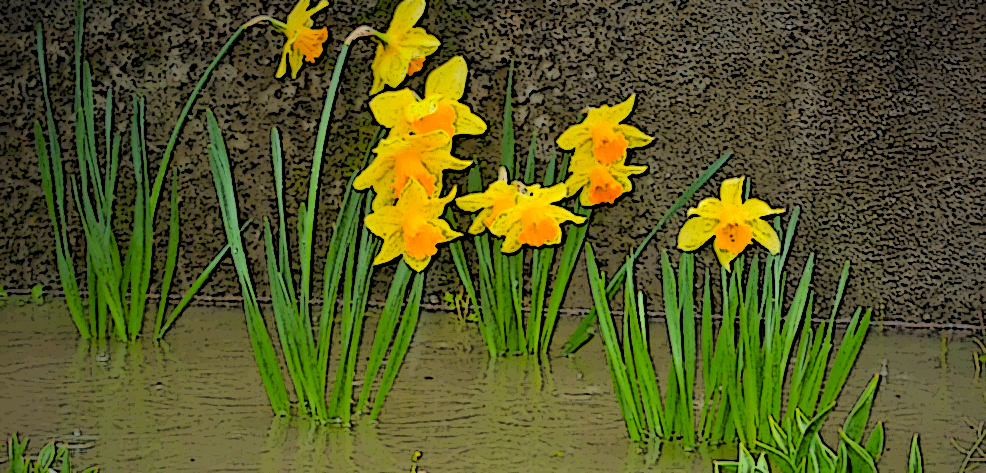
point(498, 197)
point(600, 183)
point(303, 43)
point(402, 50)
point(733, 223)
point(602, 135)
point(534, 220)
point(403, 112)
point(413, 227)
point(422, 158)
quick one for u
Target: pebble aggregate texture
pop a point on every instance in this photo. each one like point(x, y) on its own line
point(867, 115)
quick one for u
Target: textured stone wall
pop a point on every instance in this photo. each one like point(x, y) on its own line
point(867, 115)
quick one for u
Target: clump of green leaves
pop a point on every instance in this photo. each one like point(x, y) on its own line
point(38, 295)
point(347, 278)
point(458, 302)
point(843, 461)
point(110, 275)
point(743, 371)
point(46, 460)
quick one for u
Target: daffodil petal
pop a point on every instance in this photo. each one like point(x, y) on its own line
point(635, 138)
point(764, 234)
point(434, 139)
point(374, 173)
point(576, 182)
point(420, 43)
point(563, 215)
point(384, 221)
point(621, 111)
point(388, 108)
point(731, 191)
point(448, 80)
point(389, 67)
point(446, 230)
point(406, 15)
point(756, 208)
point(695, 232)
point(296, 58)
point(574, 136)
point(585, 198)
point(416, 264)
point(382, 200)
point(505, 224)
point(511, 243)
point(466, 122)
point(283, 67)
point(444, 162)
point(709, 207)
point(390, 249)
point(725, 256)
point(479, 221)
point(550, 194)
point(473, 202)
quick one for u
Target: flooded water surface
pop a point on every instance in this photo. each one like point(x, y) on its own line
point(196, 403)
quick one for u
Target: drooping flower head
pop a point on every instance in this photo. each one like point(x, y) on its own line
point(534, 220)
point(413, 227)
point(496, 199)
point(402, 50)
point(600, 183)
point(733, 223)
point(421, 158)
point(404, 112)
point(303, 43)
point(602, 136)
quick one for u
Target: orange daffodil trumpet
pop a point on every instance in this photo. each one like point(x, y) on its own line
point(733, 223)
point(402, 49)
point(303, 43)
point(600, 184)
point(522, 215)
point(599, 163)
point(413, 227)
point(405, 113)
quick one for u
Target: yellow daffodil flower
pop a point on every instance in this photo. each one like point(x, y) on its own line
point(402, 50)
point(600, 183)
point(422, 158)
point(602, 135)
point(303, 43)
point(403, 112)
point(733, 223)
point(413, 227)
point(534, 220)
point(498, 197)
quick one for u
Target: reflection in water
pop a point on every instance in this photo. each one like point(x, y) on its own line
point(197, 403)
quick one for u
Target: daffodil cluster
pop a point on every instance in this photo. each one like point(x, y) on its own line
point(598, 167)
point(407, 173)
point(526, 215)
point(522, 215)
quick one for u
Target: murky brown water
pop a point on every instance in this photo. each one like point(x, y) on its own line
point(197, 404)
